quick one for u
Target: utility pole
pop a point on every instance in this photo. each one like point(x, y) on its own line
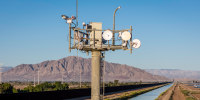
point(38, 77)
point(62, 78)
point(34, 80)
point(0, 75)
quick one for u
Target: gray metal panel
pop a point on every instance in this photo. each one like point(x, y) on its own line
point(98, 34)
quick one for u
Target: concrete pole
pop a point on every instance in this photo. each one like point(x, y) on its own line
point(95, 77)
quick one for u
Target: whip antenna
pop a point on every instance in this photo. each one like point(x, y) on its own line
point(77, 12)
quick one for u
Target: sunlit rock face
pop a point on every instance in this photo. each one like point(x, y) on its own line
point(70, 66)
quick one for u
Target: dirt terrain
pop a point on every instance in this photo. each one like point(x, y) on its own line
point(181, 91)
point(177, 94)
point(194, 92)
point(173, 93)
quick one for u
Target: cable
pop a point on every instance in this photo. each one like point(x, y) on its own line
point(74, 24)
point(104, 70)
point(79, 69)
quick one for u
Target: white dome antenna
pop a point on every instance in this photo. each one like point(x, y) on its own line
point(107, 35)
point(136, 43)
point(126, 36)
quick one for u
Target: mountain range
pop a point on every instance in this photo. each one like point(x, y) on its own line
point(5, 68)
point(176, 74)
point(70, 67)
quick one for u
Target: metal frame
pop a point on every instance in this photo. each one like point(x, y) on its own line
point(96, 49)
point(89, 47)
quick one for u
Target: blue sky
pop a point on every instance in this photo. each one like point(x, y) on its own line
point(32, 31)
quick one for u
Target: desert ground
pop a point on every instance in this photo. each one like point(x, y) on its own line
point(181, 91)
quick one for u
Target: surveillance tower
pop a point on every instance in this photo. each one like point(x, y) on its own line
point(92, 38)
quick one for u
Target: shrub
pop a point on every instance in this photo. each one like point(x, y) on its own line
point(6, 88)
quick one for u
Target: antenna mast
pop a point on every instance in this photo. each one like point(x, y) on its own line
point(91, 39)
point(76, 12)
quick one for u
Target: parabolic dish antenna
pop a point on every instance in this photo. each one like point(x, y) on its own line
point(107, 35)
point(126, 36)
point(136, 43)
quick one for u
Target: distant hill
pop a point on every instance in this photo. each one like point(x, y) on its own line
point(5, 68)
point(176, 73)
point(70, 66)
